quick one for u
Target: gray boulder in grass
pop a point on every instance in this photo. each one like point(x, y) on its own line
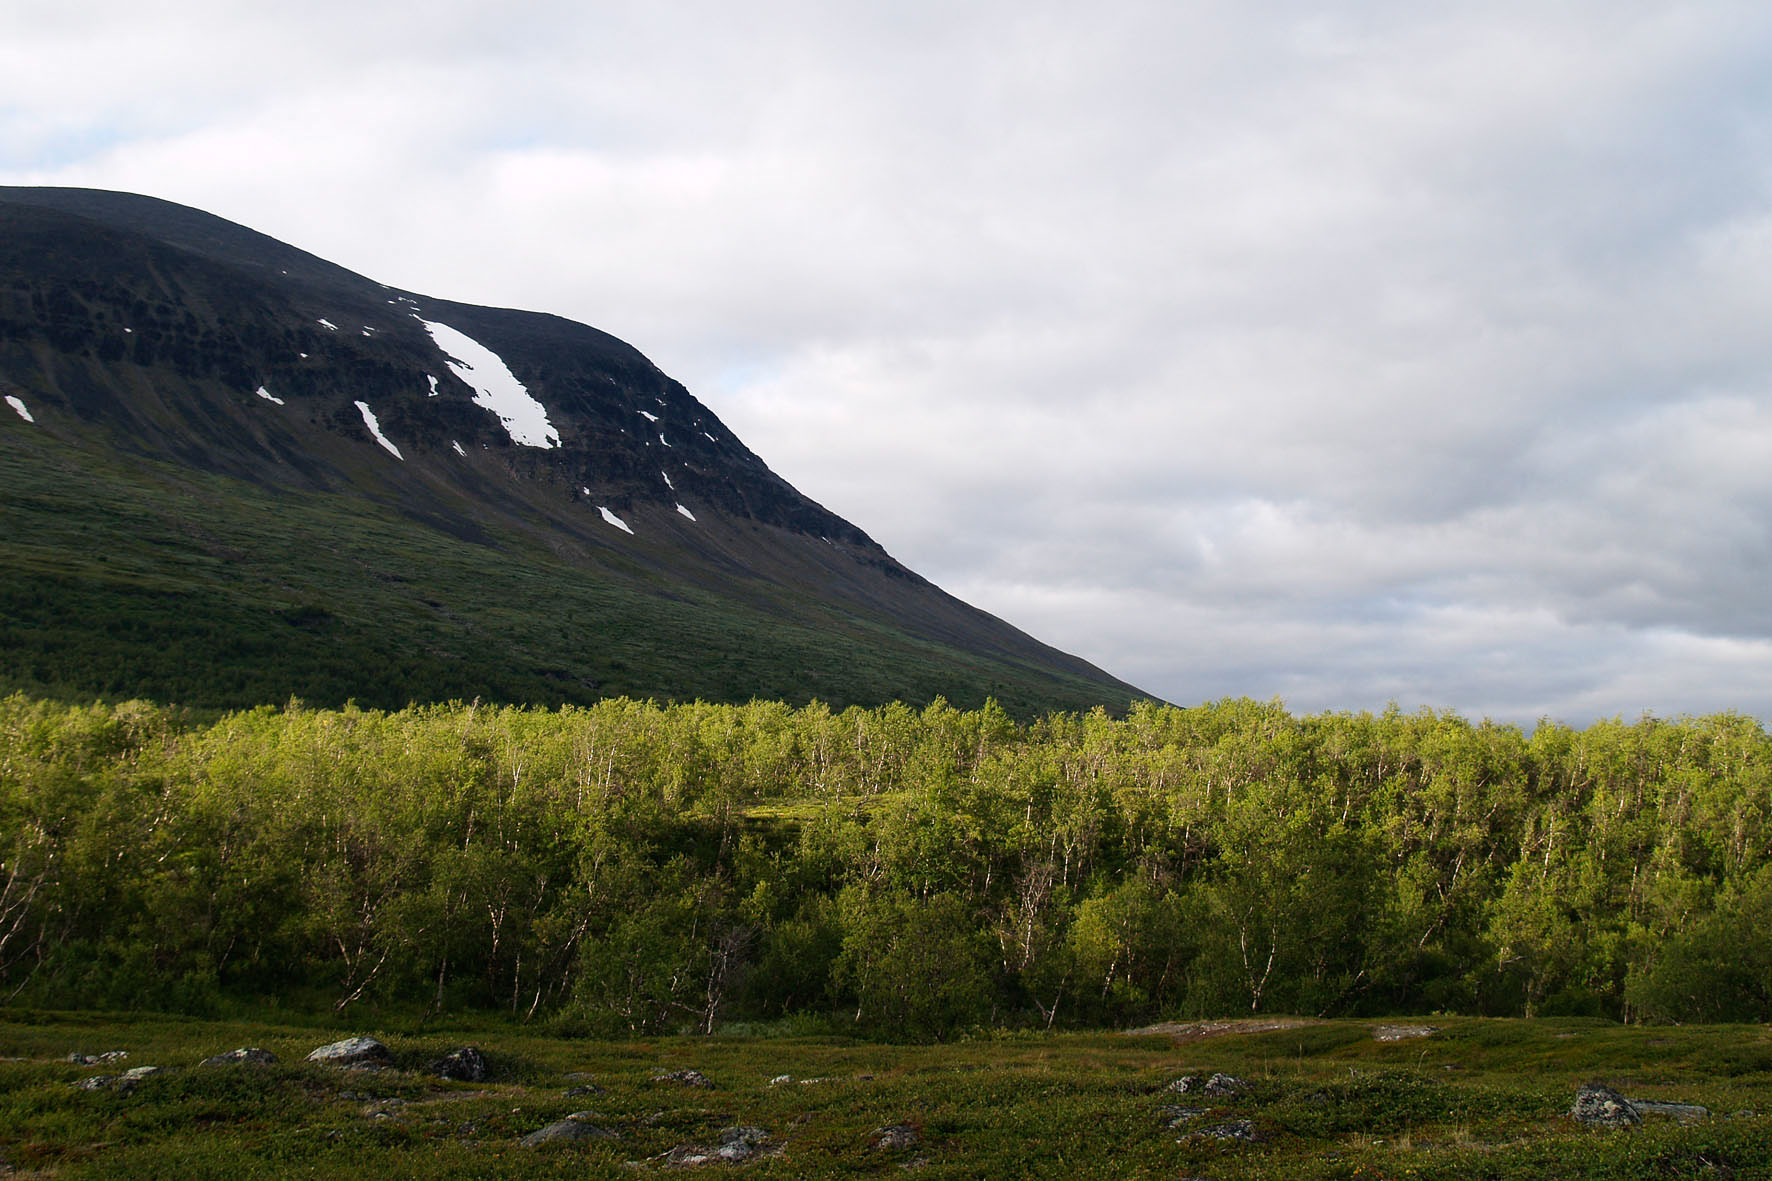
point(353, 1051)
point(466, 1064)
point(1602, 1107)
point(576, 1126)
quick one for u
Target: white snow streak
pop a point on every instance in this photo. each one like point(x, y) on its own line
point(667, 480)
point(615, 520)
point(268, 396)
point(18, 405)
point(458, 449)
point(433, 382)
point(375, 429)
point(709, 437)
point(648, 416)
point(686, 512)
point(661, 439)
point(495, 387)
point(327, 324)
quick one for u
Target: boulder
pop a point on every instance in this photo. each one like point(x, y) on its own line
point(1239, 1130)
point(353, 1051)
point(1225, 1086)
point(465, 1064)
point(737, 1145)
point(686, 1078)
point(1602, 1107)
point(577, 1126)
point(1219, 1086)
point(580, 1091)
point(894, 1137)
point(1686, 1113)
point(253, 1055)
point(79, 1059)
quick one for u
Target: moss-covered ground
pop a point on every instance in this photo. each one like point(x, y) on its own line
point(1475, 1099)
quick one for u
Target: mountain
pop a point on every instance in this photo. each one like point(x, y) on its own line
point(232, 472)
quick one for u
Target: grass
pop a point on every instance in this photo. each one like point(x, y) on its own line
point(1480, 1098)
point(124, 577)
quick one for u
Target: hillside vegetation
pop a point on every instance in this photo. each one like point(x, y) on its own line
point(628, 868)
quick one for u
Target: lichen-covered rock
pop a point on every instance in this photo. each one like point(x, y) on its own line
point(580, 1091)
point(136, 1073)
point(252, 1055)
point(465, 1064)
point(577, 1126)
point(79, 1059)
point(737, 1145)
point(894, 1137)
point(353, 1051)
point(1225, 1086)
point(686, 1078)
point(1179, 1117)
point(1602, 1107)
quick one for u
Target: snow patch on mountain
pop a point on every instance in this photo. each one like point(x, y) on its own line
point(458, 449)
point(375, 429)
point(667, 480)
point(18, 404)
point(615, 520)
point(433, 382)
point(648, 416)
point(495, 387)
point(327, 324)
point(686, 512)
point(268, 396)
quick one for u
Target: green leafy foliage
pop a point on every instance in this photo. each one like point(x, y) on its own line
point(638, 869)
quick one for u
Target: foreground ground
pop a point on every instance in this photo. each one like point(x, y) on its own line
point(1343, 1099)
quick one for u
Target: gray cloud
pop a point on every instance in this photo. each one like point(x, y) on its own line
point(1340, 354)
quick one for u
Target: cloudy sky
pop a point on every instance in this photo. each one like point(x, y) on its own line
point(1344, 353)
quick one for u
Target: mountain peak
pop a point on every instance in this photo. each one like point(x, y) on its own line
point(146, 339)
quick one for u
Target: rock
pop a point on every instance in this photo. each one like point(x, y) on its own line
point(736, 1146)
point(1397, 1033)
point(253, 1055)
point(894, 1137)
point(780, 1079)
point(97, 1082)
point(580, 1091)
point(79, 1059)
point(353, 1051)
point(1224, 1086)
point(1602, 1107)
point(1179, 1117)
point(1686, 1113)
point(576, 1126)
point(687, 1078)
point(1184, 1085)
point(136, 1073)
point(1241, 1130)
point(466, 1064)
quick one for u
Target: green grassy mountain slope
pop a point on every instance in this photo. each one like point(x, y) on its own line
point(198, 509)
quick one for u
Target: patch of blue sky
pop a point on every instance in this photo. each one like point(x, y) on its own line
point(28, 143)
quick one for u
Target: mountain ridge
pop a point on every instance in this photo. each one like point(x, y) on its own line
point(156, 339)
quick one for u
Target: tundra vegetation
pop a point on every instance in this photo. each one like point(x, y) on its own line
point(628, 869)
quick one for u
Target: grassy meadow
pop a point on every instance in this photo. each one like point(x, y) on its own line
point(1478, 1098)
